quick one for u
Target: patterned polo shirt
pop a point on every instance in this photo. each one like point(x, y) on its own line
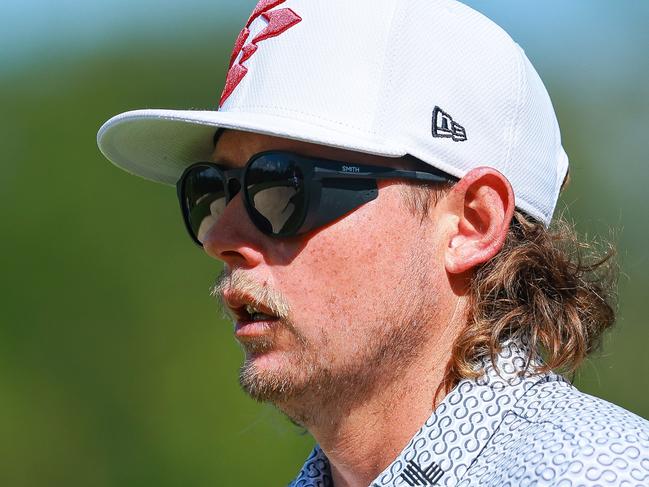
point(508, 429)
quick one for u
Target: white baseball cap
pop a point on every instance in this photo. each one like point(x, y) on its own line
point(430, 78)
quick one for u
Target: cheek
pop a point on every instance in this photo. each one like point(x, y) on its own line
point(346, 275)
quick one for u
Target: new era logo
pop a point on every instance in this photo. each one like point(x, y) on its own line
point(413, 474)
point(444, 126)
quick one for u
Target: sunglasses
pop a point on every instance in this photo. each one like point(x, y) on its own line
point(284, 194)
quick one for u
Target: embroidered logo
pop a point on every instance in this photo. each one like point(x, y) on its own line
point(413, 474)
point(279, 21)
point(444, 126)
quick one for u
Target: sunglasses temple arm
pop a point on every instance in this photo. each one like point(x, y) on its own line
point(381, 173)
point(416, 175)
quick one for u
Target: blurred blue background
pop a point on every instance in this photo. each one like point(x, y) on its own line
point(115, 366)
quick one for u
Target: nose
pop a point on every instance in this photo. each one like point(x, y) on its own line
point(233, 238)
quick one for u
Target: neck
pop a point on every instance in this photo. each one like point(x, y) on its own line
point(361, 438)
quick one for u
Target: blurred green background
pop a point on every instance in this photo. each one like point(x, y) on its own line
point(115, 367)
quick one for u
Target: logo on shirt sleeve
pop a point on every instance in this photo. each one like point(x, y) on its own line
point(413, 474)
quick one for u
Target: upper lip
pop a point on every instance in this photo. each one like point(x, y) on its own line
point(236, 303)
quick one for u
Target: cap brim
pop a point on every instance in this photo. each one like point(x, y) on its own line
point(159, 144)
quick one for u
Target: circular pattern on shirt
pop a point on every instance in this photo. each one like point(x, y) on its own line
point(517, 430)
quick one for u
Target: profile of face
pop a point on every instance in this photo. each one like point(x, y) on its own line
point(329, 316)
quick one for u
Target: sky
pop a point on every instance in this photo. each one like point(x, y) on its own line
point(32, 31)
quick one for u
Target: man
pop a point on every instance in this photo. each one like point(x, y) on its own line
point(378, 182)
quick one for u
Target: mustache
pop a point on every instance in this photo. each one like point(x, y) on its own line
point(237, 282)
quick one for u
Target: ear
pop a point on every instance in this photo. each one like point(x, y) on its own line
point(482, 204)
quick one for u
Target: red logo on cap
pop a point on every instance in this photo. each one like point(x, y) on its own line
point(279, 21)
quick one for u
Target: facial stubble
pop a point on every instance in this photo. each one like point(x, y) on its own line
point(308, 380)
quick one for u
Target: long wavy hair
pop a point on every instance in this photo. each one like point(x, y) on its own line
point(545, 286)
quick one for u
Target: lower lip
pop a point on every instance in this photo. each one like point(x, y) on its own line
point(254, 329)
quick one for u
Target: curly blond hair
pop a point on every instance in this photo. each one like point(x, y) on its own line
point(545, 287)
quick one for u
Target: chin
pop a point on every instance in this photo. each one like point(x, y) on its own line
point(263, 359)
point(267, 377)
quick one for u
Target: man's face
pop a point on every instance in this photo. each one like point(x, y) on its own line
point(357, 299)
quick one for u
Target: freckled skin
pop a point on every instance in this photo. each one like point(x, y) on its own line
point(378, 275)
point(339, 278)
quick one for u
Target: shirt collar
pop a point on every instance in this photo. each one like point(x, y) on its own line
point(443, 449)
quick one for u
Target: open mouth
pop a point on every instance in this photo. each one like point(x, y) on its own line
point(253, 314)
point(254, 322)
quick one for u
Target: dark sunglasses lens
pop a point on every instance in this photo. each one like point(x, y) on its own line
point(204, 199)
point(275, 191)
